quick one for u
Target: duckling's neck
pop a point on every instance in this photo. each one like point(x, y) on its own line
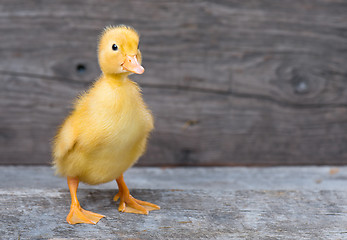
point(114, 79)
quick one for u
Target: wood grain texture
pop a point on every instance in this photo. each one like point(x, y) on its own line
point(196, 203)
point(312, 178)
point(193, 214)
point(229, 82)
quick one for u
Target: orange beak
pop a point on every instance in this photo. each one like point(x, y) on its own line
point(131, 64)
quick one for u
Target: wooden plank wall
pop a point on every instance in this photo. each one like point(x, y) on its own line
point(259, 82)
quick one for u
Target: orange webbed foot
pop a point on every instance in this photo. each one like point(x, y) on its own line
point(79, 215)
point(130, 204)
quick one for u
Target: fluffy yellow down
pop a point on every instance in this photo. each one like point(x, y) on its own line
point(107, 131)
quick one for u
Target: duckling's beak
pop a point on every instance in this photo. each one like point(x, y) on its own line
point(131, 64)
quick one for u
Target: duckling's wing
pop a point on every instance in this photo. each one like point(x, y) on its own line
point(64, 141)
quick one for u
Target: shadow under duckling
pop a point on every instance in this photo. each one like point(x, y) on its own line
point(107, 131)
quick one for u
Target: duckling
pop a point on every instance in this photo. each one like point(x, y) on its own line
point(107, 131)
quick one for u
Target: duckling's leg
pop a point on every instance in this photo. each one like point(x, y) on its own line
point(77, 214)
point(128, 203)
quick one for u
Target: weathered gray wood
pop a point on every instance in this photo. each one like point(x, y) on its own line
point(229, 82)
point(289, 210)
point(37, 214)
point(209, 179)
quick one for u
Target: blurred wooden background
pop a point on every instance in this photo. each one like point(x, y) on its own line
point(259, 82)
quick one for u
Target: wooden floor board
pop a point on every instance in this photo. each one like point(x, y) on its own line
point(213, 203)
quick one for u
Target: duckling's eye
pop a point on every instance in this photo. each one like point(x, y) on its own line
point(114, 47)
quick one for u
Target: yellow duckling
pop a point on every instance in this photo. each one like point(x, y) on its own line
point(107, 131)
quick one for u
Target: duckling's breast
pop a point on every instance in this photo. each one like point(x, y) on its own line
point(121, 128)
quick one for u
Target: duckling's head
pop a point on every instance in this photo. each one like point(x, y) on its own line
point(119, 51)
